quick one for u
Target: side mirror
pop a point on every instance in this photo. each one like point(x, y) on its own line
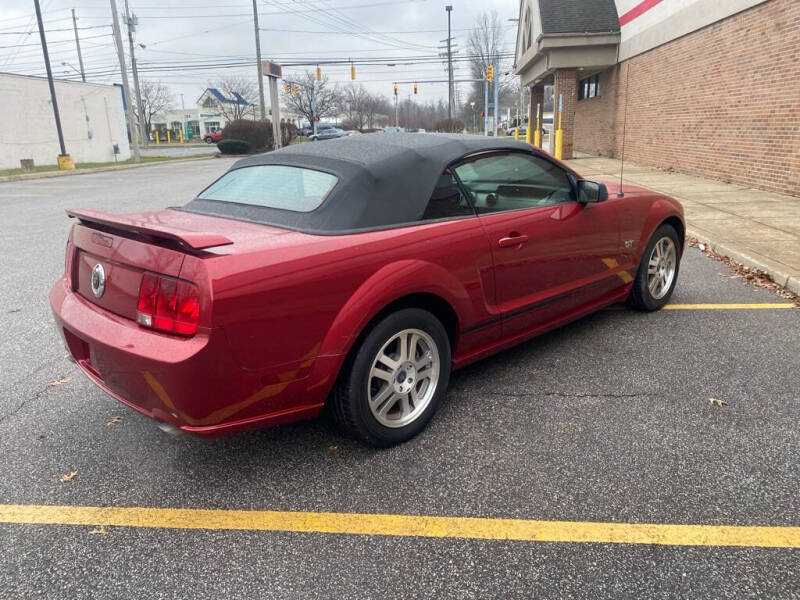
point(591, 191)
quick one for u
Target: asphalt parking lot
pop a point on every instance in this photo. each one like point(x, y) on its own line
point(605, 421)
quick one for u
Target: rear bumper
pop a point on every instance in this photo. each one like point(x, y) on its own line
point(190, 383)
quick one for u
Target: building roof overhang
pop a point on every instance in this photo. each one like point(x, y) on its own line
point(579, 50)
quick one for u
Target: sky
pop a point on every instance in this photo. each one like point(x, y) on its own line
point(189, 44)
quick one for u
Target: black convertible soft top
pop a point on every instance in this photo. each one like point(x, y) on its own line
point(384, 179)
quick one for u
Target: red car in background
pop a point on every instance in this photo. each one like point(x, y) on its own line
point(358, 273)
point(212, 137)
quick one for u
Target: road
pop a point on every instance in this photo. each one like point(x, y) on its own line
point(607, 420)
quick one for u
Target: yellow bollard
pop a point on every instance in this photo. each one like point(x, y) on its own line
point(559, 133)
point(528, 133)
point(559, 143)
point(180, 134)
point(156, 136)
point(169, 140)
point(65, 162)
point(516, 132)
point(537, 137)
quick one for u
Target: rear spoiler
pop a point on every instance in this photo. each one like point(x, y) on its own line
point(191, 240)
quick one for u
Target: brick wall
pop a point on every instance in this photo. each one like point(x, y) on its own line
point(595, 118)
point(722, 102)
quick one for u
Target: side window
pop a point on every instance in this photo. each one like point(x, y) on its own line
point(514, 180)
point(447, 200)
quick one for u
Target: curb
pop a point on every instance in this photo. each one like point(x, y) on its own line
point(49, 174)
point(782, 279)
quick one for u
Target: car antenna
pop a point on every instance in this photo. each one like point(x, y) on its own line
point(620, 193)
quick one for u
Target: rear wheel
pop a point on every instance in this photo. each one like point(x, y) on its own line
point(658, 271)
point(391, 386)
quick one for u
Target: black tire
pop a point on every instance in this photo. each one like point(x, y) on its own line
point(641, 297)
point(208, 140)
point(350, 398)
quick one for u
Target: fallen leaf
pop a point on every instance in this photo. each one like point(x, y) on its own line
point(701, 246)
point(68, 477)
point(333, 449)
point(13, 310)
point(717, 402)
point(59, 381)
point(100, 529)
point(113, 420)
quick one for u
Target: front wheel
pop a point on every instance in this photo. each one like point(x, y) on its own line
point(658, 271)
point(390, 387)
point(209, 140)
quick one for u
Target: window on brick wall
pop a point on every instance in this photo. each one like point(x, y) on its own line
point(589, 87)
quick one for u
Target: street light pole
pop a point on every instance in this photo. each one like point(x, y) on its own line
point(50, 79)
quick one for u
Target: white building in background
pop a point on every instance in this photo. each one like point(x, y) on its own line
point(92, 119)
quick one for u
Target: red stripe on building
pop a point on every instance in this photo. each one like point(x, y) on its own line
point(637, 10)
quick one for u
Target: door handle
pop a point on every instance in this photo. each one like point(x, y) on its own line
point(512, 240)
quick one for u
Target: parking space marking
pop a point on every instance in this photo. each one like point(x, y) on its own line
point(728, 306)
point(478, 528)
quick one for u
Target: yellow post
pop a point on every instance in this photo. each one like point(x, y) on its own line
point(516, 130)
point(559, 132)
point(169, 138)
point(537, 136)
point(180, 135)
point(528, 128)
point(156, 136)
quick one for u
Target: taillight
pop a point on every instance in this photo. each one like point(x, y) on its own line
point(168, 304)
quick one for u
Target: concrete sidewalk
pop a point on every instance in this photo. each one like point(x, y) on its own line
point(756, 228)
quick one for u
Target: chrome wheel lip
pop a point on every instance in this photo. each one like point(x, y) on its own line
point(661, 267)
point(403, 378)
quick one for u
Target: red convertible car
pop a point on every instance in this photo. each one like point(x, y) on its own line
point(357, 273)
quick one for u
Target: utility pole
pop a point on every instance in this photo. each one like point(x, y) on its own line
point(123, 71)
point(449, 9)
point(78, 45)
point(139, 106)
point(258, 61)
point(50, 82)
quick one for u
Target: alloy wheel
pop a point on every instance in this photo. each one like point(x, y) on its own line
point(661, 267)
point(403, 378)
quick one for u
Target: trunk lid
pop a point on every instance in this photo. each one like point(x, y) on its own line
point(116, 250)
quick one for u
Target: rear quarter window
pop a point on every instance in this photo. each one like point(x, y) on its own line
point(272, 186)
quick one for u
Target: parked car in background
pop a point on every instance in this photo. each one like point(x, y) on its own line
point(393, 129)
point(212, 137)
point(357, 274)
point(328, 133)
point(305, 131)
point(352, 132)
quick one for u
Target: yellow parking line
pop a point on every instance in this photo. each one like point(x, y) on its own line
point(727, 306)
point(406, 526)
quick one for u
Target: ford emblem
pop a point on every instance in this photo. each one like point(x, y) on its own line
point(98, 280)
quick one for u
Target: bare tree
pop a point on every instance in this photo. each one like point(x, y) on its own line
point(241, 92)
point(355, 103)
point(484, 42)
point(326, 97)
point(156, 99)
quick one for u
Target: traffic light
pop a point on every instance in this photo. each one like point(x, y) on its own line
point(319, 73)
point(287, 87)
point(352, 72)
point(296, 90)
point(490, 73)
point(395, 89)
point(415, 88)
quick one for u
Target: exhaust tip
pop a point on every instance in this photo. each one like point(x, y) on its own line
point(169, 429)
